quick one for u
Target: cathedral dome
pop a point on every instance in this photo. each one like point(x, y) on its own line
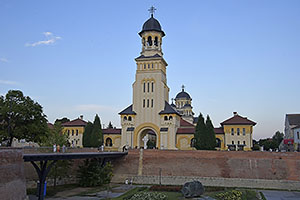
point(183, 95)
point(152, 24)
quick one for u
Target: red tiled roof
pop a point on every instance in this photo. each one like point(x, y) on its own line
point(238, 120)
point(51, 126)
point(185, 123)
point(219, 130)
point(185, 130)
point(75, 122)
point(111, 131)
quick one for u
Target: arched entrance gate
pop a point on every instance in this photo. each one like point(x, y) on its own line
point(147, 136)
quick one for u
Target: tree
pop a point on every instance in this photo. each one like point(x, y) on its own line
point(62, 120)
point(21, 118)
point(210, 134)
point(55, 136)
point(96, 136)
point(87, 134)
point(110, 125)
point(200, 133)
point(277, 138)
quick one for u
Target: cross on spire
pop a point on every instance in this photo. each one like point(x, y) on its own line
point(152, 10)
point(182, 87)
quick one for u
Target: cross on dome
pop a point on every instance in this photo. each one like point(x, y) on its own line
point(152, 10)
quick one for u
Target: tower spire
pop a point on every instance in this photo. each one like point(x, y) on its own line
point(152, 10)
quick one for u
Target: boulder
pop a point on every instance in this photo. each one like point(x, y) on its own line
point(192, 189)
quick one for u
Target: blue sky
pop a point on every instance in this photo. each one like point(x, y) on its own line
point(77, 57)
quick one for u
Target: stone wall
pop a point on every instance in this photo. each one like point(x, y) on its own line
point(248, 169)
point(12, 179)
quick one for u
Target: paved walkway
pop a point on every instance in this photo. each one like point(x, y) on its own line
point(280, 195)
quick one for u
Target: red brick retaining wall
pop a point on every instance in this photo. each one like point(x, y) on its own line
point(12, 179)
point(222, 164)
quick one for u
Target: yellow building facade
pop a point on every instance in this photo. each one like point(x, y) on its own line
point(75, 130)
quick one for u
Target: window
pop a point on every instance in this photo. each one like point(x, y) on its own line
point(166, 118)
point(143, 103)
point(125, 118)
point(170, 118)
point(193, 141)
point(244, 131)
point(148, 85)
point(232, 142)
point(72, 132)
point(147, 103)
point(76, 132)
point(144, 87)
point(151, 103)
point(68, 132)
point(238, 142)
point(152, 65)
point(238, 131)
point(129, 118)
point(148, 66)
point(149, 41)
point(244, 142)
point(144, 66)
point(156, 41)
point(152, 86)
point(232, 131)
point(218, 143)
point(76, 142)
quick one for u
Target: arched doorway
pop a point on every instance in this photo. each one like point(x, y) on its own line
point(108, 142)
point(152, 141)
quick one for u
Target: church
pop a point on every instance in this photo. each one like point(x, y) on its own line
point(152, 121)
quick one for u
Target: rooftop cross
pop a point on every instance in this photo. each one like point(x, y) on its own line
point(182, 87)
point(152, 10)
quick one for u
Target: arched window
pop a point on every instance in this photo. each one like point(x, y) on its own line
point(68, 132)
point(108, 142)
point(143, 103)
point(151, 103)
point(218, 143)
point(193, 142)
point(232, 131)
point(156, 41)
point(129, 118)
point(170, 118)
point(144, 87)
point(147, 103)
point(125, 118)
point(149, 41)
point(238, 131)
point(72, 132)
point(166, 118)
point(76, 132)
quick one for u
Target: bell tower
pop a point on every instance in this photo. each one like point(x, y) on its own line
point(150, 114)
point(151, 35)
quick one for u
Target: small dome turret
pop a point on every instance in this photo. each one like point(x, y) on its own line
point(152, 24)
point(183, 95)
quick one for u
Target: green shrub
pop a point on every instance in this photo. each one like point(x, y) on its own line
point(91, 173)
point(230, 195)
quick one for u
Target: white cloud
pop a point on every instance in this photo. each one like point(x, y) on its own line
point(8, 82)
point(50, 39)
point(3, 60)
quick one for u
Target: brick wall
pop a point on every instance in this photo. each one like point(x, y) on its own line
point(12, 179)
point(215, 164)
